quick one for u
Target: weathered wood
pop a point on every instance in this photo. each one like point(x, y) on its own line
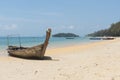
point(32, 52)
point(48, 33)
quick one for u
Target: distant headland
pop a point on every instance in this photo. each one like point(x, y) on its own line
point(65, 35)
point(113, 30)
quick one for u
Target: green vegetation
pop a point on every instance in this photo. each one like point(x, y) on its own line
point(65, 35)
point(114, 31)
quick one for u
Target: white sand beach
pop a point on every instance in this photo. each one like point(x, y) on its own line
point(92, 61)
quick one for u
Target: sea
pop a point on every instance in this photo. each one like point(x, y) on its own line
point(54, 42)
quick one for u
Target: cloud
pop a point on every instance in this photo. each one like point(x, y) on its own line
point(64, 27)
point(67, 27)
point(50, 14)
point(71, 27)
point(9, 27)
point(36, 17)
point(8, 19)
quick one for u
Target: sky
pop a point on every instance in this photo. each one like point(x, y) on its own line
point(33, 17)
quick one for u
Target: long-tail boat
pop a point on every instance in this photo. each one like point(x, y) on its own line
point(36, 52)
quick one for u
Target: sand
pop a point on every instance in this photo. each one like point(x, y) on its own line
point(91, 61)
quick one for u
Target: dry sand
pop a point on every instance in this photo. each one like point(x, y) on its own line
point(93, 61)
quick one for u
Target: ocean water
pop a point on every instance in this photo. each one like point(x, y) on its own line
point(32, 41)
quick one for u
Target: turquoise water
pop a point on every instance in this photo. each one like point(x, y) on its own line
point(32, 41)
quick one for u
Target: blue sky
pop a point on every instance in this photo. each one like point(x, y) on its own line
point(33, 17)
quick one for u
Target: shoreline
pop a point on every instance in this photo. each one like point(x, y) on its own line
point(79, 46)
point(70, 48)
point(67, 48)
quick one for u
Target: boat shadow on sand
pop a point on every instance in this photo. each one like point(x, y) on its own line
point(44, 58)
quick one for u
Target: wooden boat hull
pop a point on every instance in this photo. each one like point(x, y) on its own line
point(33, 52)
point(37, 52)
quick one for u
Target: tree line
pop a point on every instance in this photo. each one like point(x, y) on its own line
point(114, 31)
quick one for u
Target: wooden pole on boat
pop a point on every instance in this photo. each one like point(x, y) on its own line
point(19, 41)
point(48, 33)
point(8, 40)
